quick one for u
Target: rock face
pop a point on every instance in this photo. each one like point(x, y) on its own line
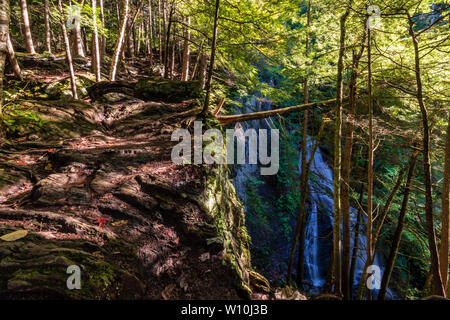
point(107, 198)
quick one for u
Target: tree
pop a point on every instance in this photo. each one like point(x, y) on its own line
point(48, 38)
point(4, 34)
point(398, 232)
point(119, 43)
point(445, 232)
point(212, 59)
point(26, 27)
point(68, 53)
point(435, 269)
point(12, 58)
point(96, 47)
point(186, 52)
point(337, 157)
point(347, 277)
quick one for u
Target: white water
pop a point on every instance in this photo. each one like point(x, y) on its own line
point(321, 202)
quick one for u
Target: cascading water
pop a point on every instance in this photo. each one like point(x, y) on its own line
point(319, 228)
point(321, 202)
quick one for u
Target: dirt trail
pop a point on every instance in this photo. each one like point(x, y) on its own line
point(102, 193)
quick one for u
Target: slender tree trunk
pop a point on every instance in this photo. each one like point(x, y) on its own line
point(435, 268)
point(160, 33)
point(370, 163)
point(68, 53)
point(355, 241)
point(197, 62)
point(445, 232)
point(299, 235)
point(213, 56)
point(138, 40)
point(167, 42)
point(103, 38)
point(26, 27)
point(48, 39)
point(377, 232)
point(96, 47)
point(119, 43)
point(186, 52)
point(346, 170)
point(337, 158)
point(12, 58)
point(4, 33)
point(164, 24)
point(150, 27)
point(173, 54)
point(398, 232)
point(304, 176)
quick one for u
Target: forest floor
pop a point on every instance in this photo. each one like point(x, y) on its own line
point(94, 186)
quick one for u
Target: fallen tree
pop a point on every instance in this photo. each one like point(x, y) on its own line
point(270, 113)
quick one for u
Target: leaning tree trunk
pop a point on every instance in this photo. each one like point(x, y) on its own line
point(12, 58)
point(211, 63)
point(26, 27)
point(398, 232)
point(4, 33)
point(119, 43)
point(68, 53)
point(435, 268)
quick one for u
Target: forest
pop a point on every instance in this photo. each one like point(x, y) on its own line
point(349, 101)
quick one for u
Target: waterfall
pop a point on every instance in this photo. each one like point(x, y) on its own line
point(321, 203)
point(319, 228)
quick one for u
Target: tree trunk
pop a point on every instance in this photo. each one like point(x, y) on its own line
point(398, 232)
point(197, 61)
point(351, 275)
point(160, 33)
point(26, 27)
point(119, 43)
point(96, 48)
point(202, 69)
point(103, 38)
point(68, 53)
point(167, 42)
point(186, 52)
point(435, 268)
point(337, 158)
point(370, 157)
point(346, 169)
point(173, 54)
point(48, 39)
point(4, 32)
point(445, 232)
point(12, 58)
point(77, 40)
point(213, 56)
point(150, 28)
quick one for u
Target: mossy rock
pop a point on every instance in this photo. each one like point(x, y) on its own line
point(167, 90)
point(62, 88)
